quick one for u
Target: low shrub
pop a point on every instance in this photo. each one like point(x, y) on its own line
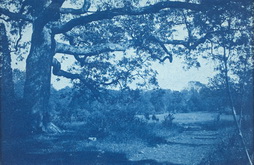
point(168, 120)
point(116, 124)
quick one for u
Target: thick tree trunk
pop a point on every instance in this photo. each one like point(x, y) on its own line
point(7, 85)
point(37, 85)
point(38, 66)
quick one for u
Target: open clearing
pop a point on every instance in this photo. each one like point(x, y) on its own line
point(197, 139)
point(196, 136)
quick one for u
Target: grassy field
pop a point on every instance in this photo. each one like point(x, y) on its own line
point(191, 138)
point(191, 117)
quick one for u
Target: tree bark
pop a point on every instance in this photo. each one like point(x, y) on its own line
point(38, 75)
point(7, 85)
point(38, 68)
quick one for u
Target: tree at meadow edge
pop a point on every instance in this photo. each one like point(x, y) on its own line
point(97, 32)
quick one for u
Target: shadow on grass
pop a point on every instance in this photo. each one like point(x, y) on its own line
point(34, 153)
point(73, 158)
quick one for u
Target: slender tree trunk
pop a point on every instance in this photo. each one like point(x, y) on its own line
point(233, 108)
point(7, 85)
point(242, 103)
point(38, 75)
point(242, 95)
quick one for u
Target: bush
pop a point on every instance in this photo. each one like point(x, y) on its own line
point(112, 117)
point(119, 125)
point(168, 120)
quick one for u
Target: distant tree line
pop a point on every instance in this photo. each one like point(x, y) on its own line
point(74, 104)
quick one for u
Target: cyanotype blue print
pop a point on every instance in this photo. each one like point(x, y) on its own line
point(119, 82)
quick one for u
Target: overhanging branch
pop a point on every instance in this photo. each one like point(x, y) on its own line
point(169, 57)
point(59, 72)
point(15, 16)
point(108, 14)
point(90, 50)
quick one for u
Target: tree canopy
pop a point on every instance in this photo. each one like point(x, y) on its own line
point(114, 41)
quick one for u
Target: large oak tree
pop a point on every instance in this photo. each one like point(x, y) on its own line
point(112, 42)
